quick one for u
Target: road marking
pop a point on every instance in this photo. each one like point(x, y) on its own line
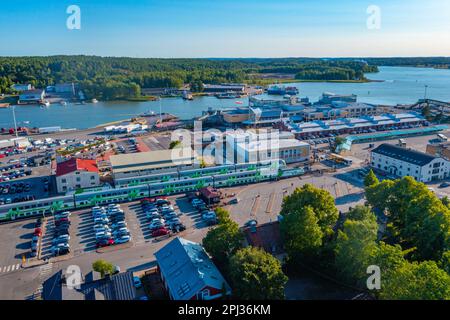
point(270, 203)
point(10, 268)
point(45, 270)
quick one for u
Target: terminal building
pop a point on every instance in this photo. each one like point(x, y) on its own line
point(398, 161)
point(266, 112)
point(152, 162)
point(365, 124)
point(237, 147)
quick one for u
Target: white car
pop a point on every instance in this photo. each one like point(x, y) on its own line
point(102, 234)
point(118, 225)
point(101, 228)
point(123, 239)
point(63, 236)
point(101, 220)
point(156, 225)
point(121, 230)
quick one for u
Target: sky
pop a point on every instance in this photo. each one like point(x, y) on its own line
point(227, 28)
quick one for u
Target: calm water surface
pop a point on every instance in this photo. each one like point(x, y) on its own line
point(401, 85)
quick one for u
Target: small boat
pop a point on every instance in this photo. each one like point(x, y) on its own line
point(94, 100)
point(26, 122)
point(187, 95)
point(45, 103)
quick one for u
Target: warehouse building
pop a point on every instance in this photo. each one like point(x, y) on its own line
point(399, 161)
point(153, 162)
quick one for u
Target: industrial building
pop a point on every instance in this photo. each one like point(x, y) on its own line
point(153, 162)
point(264, 112)
point(224, 87)
point(399, 161)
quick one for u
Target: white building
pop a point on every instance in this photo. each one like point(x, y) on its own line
point(76, 174)
point(252, 146)
point(289, 150)
point(21, 87)
point(402, 162)
point(32, 96)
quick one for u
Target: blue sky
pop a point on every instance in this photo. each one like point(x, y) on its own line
point(227, 28)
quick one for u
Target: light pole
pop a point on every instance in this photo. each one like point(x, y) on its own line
point(14, 117)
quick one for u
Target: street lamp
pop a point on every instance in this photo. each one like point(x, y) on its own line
point(14, 117)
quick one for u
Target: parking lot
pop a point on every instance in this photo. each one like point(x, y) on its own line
point(156, 141)
point(15, 239)
point(263, 201)
point(25, 190)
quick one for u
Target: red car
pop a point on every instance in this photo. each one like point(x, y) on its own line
point(105, 243)
point(37, 232)
point(160, 232)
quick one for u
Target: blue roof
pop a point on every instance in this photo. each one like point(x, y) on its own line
point(187, 269)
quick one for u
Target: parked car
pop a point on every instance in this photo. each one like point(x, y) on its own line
point(160, 232)
point(123, 239)
point(37, 232)
point(104, 243)
point(137, 282)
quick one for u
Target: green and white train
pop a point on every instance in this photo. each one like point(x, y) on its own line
point(135, 188)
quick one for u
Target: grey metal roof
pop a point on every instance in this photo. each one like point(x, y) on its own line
point(407, 155)
point(187, 269)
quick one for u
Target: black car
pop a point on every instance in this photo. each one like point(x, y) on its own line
point(61, 251)
point(61, 231)
point(38, 223)
point(62, 223)
point(178, 227)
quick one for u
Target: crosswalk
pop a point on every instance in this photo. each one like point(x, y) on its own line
point(10, 268)
point(45, 270)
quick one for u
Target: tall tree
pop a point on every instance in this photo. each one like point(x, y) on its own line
point(371, 179)
point(354, 246)
point(256, 275)
point(321, 202)
point(223, 241)
point(416, 281)
point(103, 267)
point(301, 233)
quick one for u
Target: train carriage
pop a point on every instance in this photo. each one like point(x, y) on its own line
point(147, 179)
point(123, 194)
point(36, 207)
point(180, 186)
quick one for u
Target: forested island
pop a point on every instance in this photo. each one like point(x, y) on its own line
point(110, 78)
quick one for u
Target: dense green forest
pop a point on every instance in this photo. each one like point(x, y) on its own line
point(431, 62)
point(114, 78)
point(111, 78)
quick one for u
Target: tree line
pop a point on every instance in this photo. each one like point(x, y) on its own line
point(110, 78)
